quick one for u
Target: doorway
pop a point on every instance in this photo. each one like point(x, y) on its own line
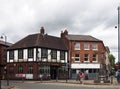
point(53, 72)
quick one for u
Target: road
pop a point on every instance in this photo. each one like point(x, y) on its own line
point(39, 85)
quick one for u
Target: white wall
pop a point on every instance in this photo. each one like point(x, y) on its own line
point(25, 56)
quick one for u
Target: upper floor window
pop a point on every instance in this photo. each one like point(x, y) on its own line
point(94, 57)
point(44, 53)
point(20, 54)
point(86, 57)
point(53, 54)
point(94, 47)
point(30, 70)
point(11, 54)
point(77, 46)
point(62, 55)
point(77, 57)
point(86, 46)
point(30, 53)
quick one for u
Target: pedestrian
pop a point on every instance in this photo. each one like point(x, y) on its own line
point(118, 77)
point(81, 77)
point(86, 75)
point(78, 76)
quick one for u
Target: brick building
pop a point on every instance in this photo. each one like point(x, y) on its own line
point(3, 60)
point(37, 56)
point(86, 54)
point(41, 55)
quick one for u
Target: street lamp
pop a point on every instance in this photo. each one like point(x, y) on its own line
point(118, 36)
point(5, 37)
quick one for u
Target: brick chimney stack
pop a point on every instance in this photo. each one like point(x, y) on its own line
point(42, 30)
point(63, 34)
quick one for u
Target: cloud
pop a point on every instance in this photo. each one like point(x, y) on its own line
point(95, 17)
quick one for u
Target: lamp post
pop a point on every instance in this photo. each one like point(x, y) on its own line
point(5, 37)
point(119, 36)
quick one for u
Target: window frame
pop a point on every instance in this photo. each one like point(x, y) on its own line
point(44, 53)
point(30, 70)
point(77, 46)
point(20, 54)
point(86, 57)
point(94, 46)
point(30, 53)
point(11, 54)
point(53, 54)
point(77, 56)
point(96, 57)
point(86, 46)
point(20, 69)
point(62, 55)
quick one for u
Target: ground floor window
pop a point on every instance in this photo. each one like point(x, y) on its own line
point(44, 70)
point(30, 70)
point(92, 73)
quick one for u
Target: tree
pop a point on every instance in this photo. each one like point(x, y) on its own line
point(112, 63)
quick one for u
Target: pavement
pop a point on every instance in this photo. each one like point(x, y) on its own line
point(70, 82)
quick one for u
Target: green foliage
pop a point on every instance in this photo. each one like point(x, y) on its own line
point(112, 63)
point(111, 58)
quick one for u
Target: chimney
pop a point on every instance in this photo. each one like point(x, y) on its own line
point(42, 30)
point(63, 34)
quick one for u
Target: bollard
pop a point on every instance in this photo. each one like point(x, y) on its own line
point(111, 79)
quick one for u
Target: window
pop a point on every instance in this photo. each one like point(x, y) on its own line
point(94, 57)
point(95, 47)
point(11, 70)
point(62, 55)
point(20, 54)
point(77, 46)
point(53, 54)
point(86, 57)
point(86, 46)
point(11, 54)
point(77, 57)
point(30, 70)
point(44, 70)
point(20, 69)
point(44, 53)
point(30, 53)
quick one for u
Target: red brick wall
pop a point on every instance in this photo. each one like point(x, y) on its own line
point(101, 48)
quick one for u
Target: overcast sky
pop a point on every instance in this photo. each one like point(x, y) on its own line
point(19, 18)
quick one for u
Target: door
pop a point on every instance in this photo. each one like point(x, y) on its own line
point(53, 72)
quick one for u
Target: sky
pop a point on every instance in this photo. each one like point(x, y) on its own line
point(98, 18)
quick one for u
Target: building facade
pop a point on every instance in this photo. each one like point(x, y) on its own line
point(37, 56)
point(86, 54)
point(3, 60)
point(41, 56)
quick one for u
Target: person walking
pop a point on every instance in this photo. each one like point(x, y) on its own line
point(78, 76)
point(81, 77)
point(118, 76)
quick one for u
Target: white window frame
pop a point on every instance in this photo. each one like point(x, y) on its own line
point(77, 46)
point(94, 46)
point(95, 57)
point(86, 57)
point(77, 58)
point(86, 46)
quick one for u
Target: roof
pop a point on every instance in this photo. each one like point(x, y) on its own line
point(82, 38)
point(5, 43)
point(40, 40)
